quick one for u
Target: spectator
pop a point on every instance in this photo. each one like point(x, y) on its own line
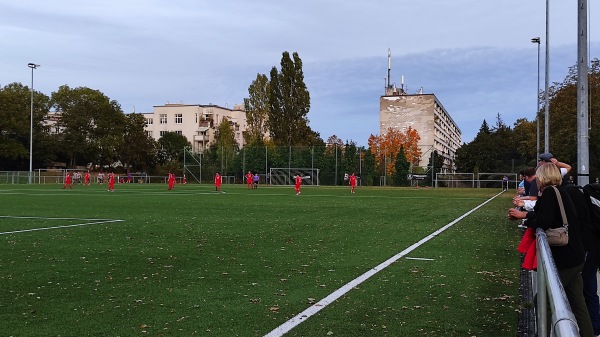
point(569, 259)
point(591, 244)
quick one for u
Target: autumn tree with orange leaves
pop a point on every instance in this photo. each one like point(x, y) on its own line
point(385, 147)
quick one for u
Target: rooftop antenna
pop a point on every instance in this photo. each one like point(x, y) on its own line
point(389, 66)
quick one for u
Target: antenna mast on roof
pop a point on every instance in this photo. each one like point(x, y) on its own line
point(389, 67)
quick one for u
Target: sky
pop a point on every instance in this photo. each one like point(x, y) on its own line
point(475, 56)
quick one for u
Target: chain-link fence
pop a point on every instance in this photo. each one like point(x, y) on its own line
point(332, 162)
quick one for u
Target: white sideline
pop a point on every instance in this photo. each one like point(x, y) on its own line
point(301, 317)
point(97, 221)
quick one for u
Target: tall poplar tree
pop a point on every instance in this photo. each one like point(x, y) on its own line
point(289, 104)
point(257, 110)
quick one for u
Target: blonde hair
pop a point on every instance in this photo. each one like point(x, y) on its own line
point(546, 175)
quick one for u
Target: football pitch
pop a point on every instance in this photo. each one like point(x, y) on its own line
point(145, 261)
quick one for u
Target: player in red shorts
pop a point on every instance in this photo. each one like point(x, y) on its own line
point(68, 181)
point(171, 181)
point(249, 177)
point(298, 183)
point(111, 182)
point(352, 179)
point(218, 182)
point(87, 179)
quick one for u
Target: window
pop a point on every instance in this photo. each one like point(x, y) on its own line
point(149, 134)
point(149, 121)
point(178, 118)
point(163, 118)
point(162, 133)
point(179, 132)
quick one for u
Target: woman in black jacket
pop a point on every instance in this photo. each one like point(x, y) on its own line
point(569, 258)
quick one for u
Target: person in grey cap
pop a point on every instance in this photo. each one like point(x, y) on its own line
point(549, 158)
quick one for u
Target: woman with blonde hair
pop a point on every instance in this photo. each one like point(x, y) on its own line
point(569, 258)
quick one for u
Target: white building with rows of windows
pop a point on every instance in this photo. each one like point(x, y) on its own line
point(198, 123)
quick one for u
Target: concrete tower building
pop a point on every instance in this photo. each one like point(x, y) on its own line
point(424, 113)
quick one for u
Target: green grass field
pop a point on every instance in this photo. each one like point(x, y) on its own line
point(145, 261)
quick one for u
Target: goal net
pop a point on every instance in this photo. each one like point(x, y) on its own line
point(285, 176)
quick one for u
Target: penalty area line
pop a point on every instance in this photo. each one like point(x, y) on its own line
point(60, 227)
point(315, 308)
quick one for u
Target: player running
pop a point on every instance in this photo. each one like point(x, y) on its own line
point(68, 181)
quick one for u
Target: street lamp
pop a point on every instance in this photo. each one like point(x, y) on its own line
point(32, 66)
point(537, 98)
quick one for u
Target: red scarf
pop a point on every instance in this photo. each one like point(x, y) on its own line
point(528, 247)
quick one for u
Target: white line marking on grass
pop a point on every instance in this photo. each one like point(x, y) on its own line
point(303, 316)
point(419, 258)
point(96, 222)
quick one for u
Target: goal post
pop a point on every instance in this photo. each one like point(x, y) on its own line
point(283, 176)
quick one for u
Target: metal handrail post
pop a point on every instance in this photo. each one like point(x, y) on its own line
point(563, 320)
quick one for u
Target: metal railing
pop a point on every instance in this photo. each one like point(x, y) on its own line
point(550, 288)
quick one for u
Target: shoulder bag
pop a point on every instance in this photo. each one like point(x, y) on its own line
point(559, 236)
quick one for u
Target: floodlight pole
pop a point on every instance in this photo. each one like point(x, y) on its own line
point(547, 101)
point(32, 66)
point(537, 99)
point(583, 149)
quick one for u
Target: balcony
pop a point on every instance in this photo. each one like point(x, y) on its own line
point(201, 138)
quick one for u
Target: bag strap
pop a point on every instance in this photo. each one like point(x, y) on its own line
point(561, 206)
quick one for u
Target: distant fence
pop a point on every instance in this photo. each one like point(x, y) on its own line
point(479, 180)
point(57, 176)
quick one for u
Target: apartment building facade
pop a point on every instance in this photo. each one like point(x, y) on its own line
point(197, 122)
point(424, 113)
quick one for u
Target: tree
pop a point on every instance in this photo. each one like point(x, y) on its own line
point(15, 119)
point(436, 164)
point(369, 173)
point(289, 104)
point(226, 145)
point(402, 169)
point(257, 110)
point(350, 158)
point(525, 140)
point(477, 156)
point(92, 124)
point(386, 147)
point(171, 146)
point(139, 150)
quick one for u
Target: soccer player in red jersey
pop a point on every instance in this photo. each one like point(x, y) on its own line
point(171, 181)
point(87, 178)
point(297, 185)
point(217, 182)
point(249, 177)
point(68, 181)
point(111, 182)
point(352, 182)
